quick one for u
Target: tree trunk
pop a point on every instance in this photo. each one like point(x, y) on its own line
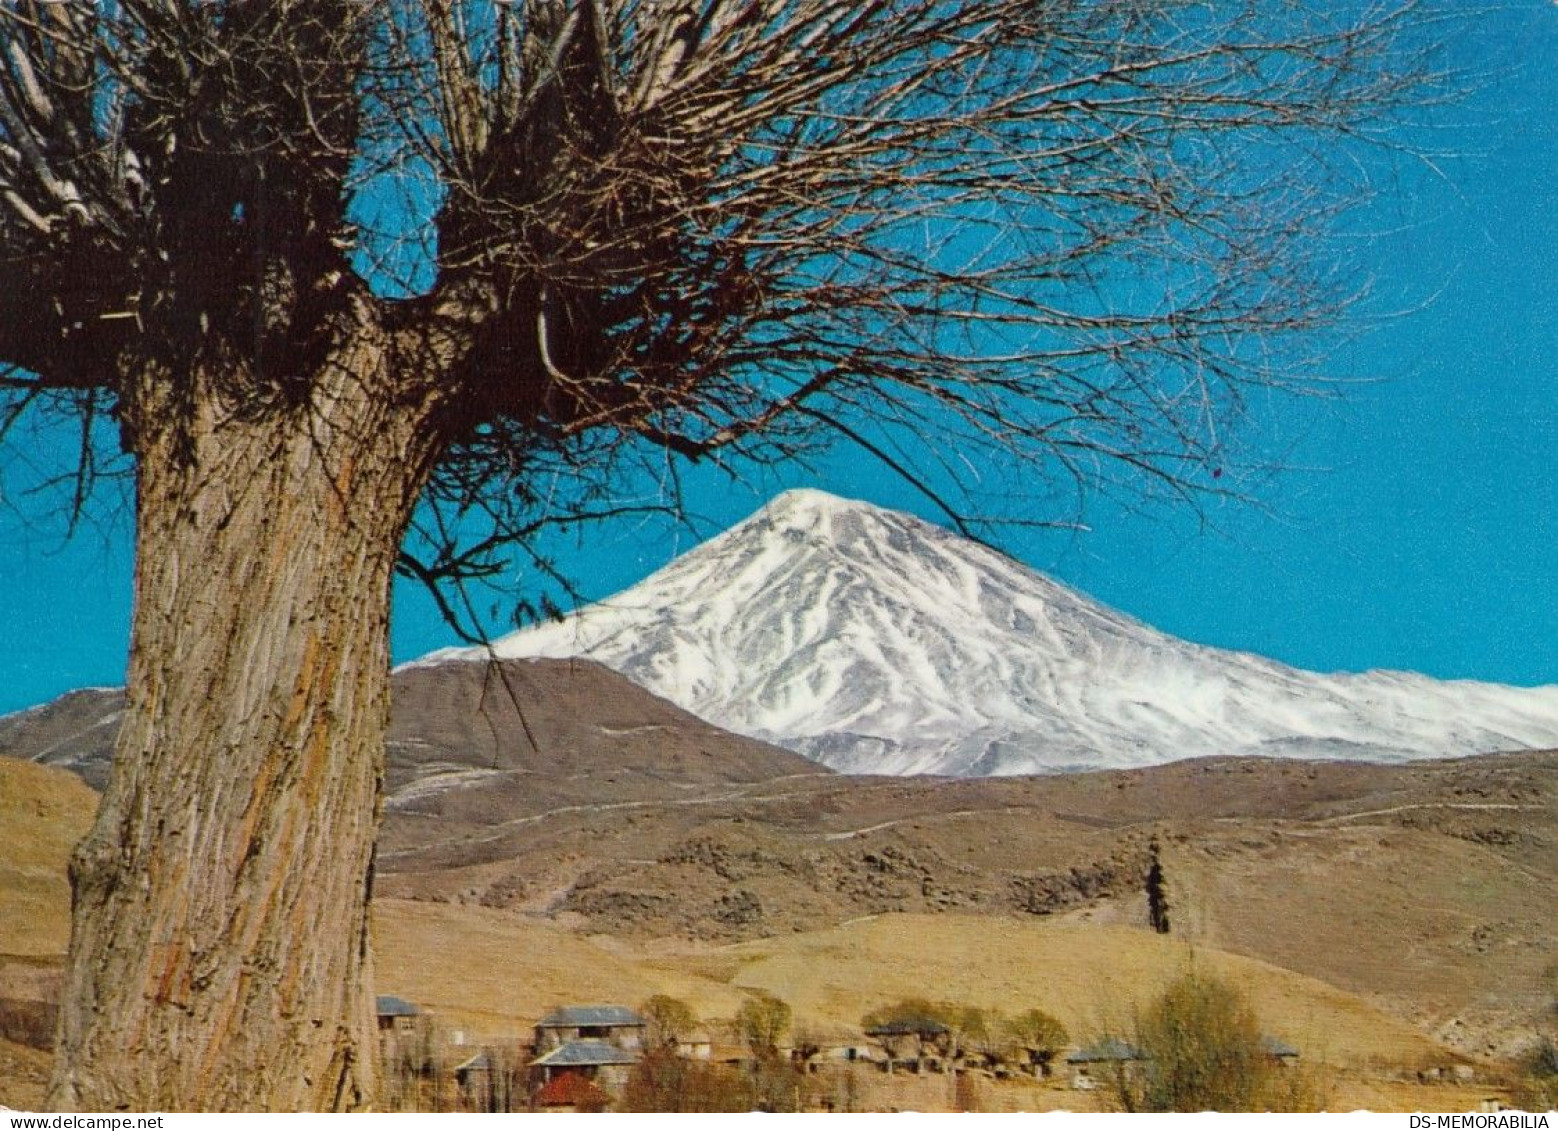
point(219, 955)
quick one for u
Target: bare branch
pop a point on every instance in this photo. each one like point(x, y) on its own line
point(1075, 233)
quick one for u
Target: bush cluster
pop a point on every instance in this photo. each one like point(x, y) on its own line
point(1202, 1050)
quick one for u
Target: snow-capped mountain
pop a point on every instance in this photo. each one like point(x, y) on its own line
point(874, 642)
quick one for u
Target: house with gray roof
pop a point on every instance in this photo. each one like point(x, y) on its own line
point(402, 1029)
point(1279, 1050)
point(616, 1025)
point(1094, 1064)
point(599, 1043)
point(600, 1062)
point(916, 1044)
point(395, 1012)
point(1108, 1050)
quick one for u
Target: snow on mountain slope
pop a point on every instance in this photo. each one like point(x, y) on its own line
point(874, 642)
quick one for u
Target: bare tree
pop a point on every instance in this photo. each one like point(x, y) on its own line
point(319, 261)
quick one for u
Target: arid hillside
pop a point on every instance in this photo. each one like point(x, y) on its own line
point(1387, 917)
point(532, 735)
point(1427, 889)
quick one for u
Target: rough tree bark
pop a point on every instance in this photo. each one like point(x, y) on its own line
point(220, 955)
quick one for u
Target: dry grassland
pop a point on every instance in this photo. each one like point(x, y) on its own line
point(24, 1076)
point(43, 813)
point(496, 974)
point(493, 972)
point(494, 969)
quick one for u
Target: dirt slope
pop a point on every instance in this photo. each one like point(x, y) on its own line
point(43, 813)
point(1422, 893)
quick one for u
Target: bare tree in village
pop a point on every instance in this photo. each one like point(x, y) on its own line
point(336, 269)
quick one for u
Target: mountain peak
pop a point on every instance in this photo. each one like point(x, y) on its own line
point(805, 501)
point(810, 511)
point(803, 509)
point(875, 642)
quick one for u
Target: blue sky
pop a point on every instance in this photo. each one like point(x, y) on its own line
point(1415, 528)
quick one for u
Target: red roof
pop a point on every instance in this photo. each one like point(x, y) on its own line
point(570, 1089)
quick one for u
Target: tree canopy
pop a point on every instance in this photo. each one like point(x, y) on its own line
point(763, 1020)
point(1038, 1032)
point(618, 231)
point(1202, 1049)
point(668, 1020)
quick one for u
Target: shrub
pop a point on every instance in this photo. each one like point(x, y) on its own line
point(1203, 1047)
point(1202, 1051)
point(662, 1081)
point(669, 1019)
point(1537, 1088)
point(910, 1011)
point(974, 1031)
point(1038, 1035)
point(1030, 1038)
point(762, 1022)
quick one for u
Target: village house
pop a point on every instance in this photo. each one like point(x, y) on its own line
point(913, 1044)
point(396, 1014)
point(601, 1063)
point(816, 1049)
point(494, 1079)
point(1094, 1065)
point(402, 1027)
point(594, 1044)
point(615, 1025)
point(1038, 1060)
point(697, 1045)
point(731, 1054)
point(474, 1077)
